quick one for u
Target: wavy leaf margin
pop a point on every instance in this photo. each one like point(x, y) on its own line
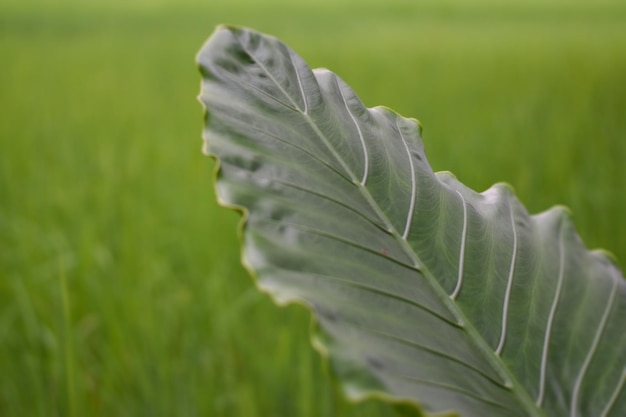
point(224, 61)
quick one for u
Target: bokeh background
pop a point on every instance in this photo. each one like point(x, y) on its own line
point(121, 292)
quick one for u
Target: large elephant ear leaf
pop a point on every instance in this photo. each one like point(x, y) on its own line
point(424, 291)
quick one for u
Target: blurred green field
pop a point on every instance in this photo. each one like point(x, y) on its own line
point(121, 292)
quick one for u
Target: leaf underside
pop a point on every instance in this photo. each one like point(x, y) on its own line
point(424, 290)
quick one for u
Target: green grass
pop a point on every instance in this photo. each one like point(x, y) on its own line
point(121, 291)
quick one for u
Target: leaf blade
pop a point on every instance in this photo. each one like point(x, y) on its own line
point(289, 139)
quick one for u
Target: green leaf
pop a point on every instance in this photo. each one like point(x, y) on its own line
point(424, 290)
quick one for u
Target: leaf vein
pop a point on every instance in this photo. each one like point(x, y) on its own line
point(456, 389)
point(361, 138)
point(459, 280)
point(295, 69)
point(440, 353)
point(409, 217)
point(335, 201)
point(378, 291)
point(553, 308)
point(509, 285)
point(615, 394)
point(271, 77)
point(592, 349)
point(349, 242)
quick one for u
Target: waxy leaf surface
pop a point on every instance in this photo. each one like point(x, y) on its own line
point(424, 290)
